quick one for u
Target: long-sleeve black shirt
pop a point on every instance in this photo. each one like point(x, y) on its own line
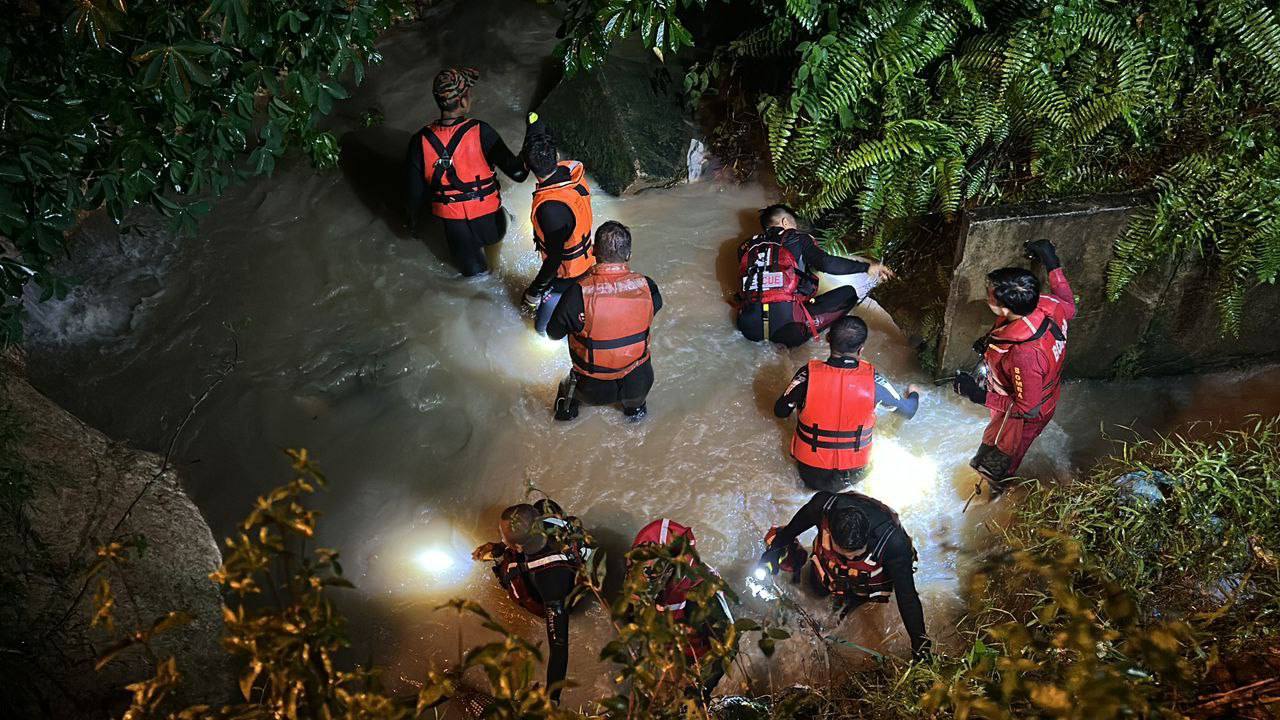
point(794, 396)
point(558, 225)
point(805, 248)
point(553, 585)
point(898, 557)
point(495, 151)
point(569, 316)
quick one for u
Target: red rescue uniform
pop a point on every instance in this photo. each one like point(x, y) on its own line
point(833, 431)
point(462, 183)
point(673, 598)
point(577, 257)
point(617, 315)
point(1024, 361)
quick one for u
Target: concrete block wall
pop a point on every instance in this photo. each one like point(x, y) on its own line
point(1165, 321)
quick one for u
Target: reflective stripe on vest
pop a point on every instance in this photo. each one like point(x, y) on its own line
point(863, 578)
point(834, 429)
point(577, 257)
point(461, 181)
point(617, 314)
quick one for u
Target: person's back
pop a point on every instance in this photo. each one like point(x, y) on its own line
point(837, 399)
point(702, 620)
point(861, 554)
point(450, 167)
point(607, 316)
point(777, 300)
point(618, 310)
point(562, 223)
point(537, 562)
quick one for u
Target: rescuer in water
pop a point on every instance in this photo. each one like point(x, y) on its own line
point(671, 586)
point(861, 554)
point(561, 216)
point(1023, 356)
point(607, 315)
point(450, 163)
point(778, 284)
point(837, 400)
point(537, 562)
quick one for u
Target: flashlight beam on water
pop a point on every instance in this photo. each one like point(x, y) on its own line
point(433, 560)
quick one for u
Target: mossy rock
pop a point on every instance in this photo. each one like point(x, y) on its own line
point(624, 121)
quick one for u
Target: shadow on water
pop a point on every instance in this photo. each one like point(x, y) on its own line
point(605, 521)
point(770, 381)
point(727, 258)
point(373, 162)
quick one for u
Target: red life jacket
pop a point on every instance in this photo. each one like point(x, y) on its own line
point(833, 431)
point(674, 595)
point(864, 578)
point(518, 569)
point(461, 180)
point(770, 273)
point(577, 258)
point(1045, 329)
point(618, 311)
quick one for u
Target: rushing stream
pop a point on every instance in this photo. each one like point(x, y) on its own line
point(426, 398)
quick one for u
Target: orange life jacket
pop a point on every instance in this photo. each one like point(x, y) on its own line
point(1045, 330)
point(863, 578)
point(577, 258)
point(674, 595)
point(618, 311)
point(833, 431)
point(461, 181)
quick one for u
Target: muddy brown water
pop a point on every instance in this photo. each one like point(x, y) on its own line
point(426, 397)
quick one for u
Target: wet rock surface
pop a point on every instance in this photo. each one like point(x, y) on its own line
point(624, 120)
point(79, 485)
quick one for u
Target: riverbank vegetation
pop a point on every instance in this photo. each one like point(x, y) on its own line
point(109, 105)
point(1149, 588)
point(876, 111)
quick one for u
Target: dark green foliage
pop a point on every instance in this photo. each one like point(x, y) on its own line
point(111, 105)
point(1204, 552)
point(592, 26)
point(879, 110)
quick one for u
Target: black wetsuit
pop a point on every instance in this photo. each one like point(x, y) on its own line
point(786, 322)
point(897, 557)
point(552, 586)
point(794, 396)
point(631, 389)
point(466, 238)
point(558, 226)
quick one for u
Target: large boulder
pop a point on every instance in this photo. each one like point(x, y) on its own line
point(68, 490)
point(1164, 322)
point(624, 121)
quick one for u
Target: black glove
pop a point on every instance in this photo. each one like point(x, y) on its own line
point(981, 344)
point(992, 463)
point(771, 559)
point(968, 386)
point(1045, 252)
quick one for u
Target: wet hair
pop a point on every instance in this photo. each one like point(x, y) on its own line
point(522, 519)
point(775, 214)
point(847, 334)
point(540, 154)
point(1015, 288)
point(849, 528)
point(613, 242)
